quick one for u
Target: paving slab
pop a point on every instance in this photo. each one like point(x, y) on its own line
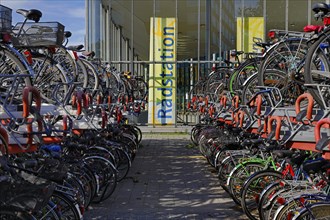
point(169, 179)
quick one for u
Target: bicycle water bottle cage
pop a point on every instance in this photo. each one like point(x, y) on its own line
point(32, 14)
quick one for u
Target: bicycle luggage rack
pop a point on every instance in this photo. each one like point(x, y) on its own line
point(290, 34)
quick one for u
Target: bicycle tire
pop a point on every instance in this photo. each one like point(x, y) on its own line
point(283, 211)
point(219, 75)
point(249, 88)
point(13, 86)
point(225, 168)
point(11, 213)
point(123, 163)
point(82, 75)
point(264, 200)
point(238, 176)
point(107, 174)
point(315, 211)
point(253, 186)
point(3, 147)
point(49, 75)
point(140, 88)
point(242, 73)
point(71, 210)
point(317, 63)
point(93, 76)
point(287, 59)
point(66, 60)
point(48, 212)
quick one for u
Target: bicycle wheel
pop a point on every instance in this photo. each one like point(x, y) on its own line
point(317, 211)
point(14, 77)
point(266, 198)
point(218, 76)
point(65, 206)
point(225, 168)
point(93, 76)
point(289, 208)
point(115, 85)
point(3, 146)
point(287, 59)
point(67, 62)
point(11, 213)
point(82, 76)
point(252, 188)
point(239, 175)
point(242, 73)
point(249, 89)
point(317, 69)
point(49, 78)
point(140, 88)
point(107, 176)
point(216, 90)
point(48, 212)
point(122, 163)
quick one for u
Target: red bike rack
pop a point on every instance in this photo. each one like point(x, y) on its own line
point(325, 122)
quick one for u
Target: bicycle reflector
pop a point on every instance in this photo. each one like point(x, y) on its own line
point(271, 34)
point(281, 200)
point(5, 37)
point(28, 56)
point(326, 21)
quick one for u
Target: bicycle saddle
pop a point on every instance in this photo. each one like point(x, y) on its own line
point(67, 34)
point(321, 6)
point(88, 53)
point(263, 44)
point(76, 47)
point(322, 144)
point(32, 14)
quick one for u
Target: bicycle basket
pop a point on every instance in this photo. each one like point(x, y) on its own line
point(23, 194)
point(5, 19)
point(42, 34)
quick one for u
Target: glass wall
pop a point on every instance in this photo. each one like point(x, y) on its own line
point(119, 31)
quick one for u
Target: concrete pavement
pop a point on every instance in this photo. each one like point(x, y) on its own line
point(169, 179)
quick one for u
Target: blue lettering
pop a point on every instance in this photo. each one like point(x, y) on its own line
point(167, 92)
point(165, 83)
point(162, 113)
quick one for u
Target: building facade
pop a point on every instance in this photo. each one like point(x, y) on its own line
point(119, 31)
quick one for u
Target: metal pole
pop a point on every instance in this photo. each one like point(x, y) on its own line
point(220, 29)
point(242, 27)
point(207, 31)
point(309, 10)
point(176, 63)
point(153, 69)
point(265, 17)
point(286, 15)
point(199, 36)
point(132, 36)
